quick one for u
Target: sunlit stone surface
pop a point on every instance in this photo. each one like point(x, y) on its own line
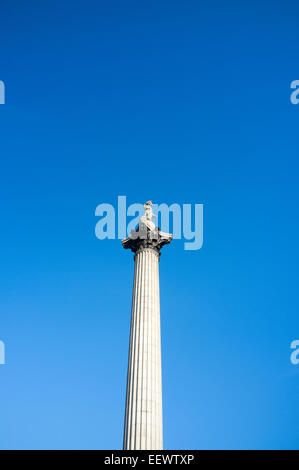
point(143, 416)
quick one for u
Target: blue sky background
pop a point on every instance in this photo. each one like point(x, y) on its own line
point(185, 102)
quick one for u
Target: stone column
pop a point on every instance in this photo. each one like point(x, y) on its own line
point(143, 415)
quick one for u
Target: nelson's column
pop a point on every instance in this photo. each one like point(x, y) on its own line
point(143, 417)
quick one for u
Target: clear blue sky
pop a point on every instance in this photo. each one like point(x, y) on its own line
point(172, 101)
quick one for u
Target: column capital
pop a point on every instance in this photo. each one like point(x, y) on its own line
point(144, 238)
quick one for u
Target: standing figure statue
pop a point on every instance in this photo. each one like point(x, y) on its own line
point(146, 219)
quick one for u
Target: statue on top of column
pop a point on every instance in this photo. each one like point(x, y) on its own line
point(146, 219)
point(147, 234)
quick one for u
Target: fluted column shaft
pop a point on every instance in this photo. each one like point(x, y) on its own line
point(143, 416)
